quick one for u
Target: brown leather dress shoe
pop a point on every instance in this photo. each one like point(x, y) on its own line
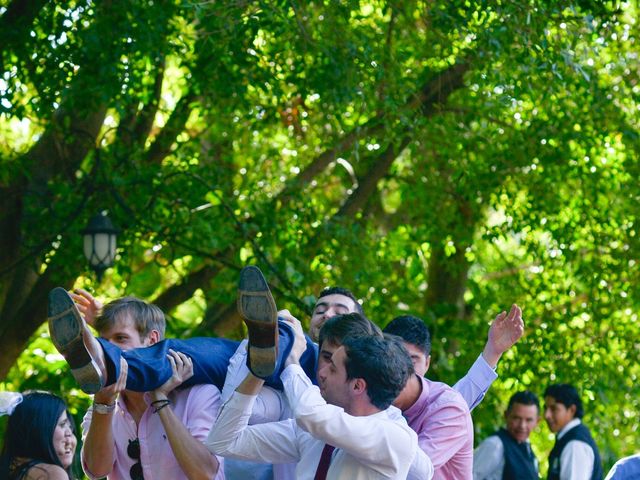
point(257, 307)
point(66, 327)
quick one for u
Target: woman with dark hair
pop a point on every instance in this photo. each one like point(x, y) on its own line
point(40, 439)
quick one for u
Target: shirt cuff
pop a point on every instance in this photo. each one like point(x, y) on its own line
point(291, 371)
point(484, 370)
point(242, 402)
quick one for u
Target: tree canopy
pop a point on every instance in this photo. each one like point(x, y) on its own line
point(444, 158)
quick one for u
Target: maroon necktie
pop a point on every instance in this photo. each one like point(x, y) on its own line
point(325, 461)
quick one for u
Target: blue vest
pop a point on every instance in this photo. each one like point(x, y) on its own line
point(579, 432)
point(519, 460)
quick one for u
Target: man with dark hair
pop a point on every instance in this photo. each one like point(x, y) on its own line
point(507, 454)
point(417, 340)
point(341, 430)
point(575, 455)
point(438, 414)
point(332, 301)
point(340, 327)
point(456, 434)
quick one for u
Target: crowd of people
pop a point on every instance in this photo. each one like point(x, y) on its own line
point(345, 401)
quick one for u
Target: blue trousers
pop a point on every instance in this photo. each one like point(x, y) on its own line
point(149, 368)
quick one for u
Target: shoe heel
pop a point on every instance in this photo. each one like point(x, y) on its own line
point(88, 377)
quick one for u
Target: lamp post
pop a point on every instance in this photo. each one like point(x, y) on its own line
point(100, 243)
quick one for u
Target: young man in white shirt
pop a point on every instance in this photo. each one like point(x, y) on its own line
point(349, 411)
point(575, 455)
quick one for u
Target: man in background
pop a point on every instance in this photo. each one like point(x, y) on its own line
point(575, 455)
point(507, 453)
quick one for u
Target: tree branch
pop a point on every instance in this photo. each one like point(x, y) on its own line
point(163, 142)
point(183, 291)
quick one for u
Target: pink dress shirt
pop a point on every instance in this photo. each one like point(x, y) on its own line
point(442, 421)
point(196, 407)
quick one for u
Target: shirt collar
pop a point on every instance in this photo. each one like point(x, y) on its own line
point(573, 423)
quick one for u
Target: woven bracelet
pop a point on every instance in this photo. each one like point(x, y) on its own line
point(160, 404)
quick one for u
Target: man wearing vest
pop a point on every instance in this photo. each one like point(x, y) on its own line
point(575, 455)
point(507, 454)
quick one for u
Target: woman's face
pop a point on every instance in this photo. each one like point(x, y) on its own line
point(64, 441)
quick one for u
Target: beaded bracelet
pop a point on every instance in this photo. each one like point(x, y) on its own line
point(162, 403)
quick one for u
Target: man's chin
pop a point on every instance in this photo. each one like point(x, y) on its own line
point(324, 394)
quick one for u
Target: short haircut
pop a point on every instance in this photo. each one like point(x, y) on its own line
point(146, 316)
point(567, 395)
point(383, 363)
point(525, 397)
point(412, 330)
point(342, 291)
point(337, 328)
point(30, 429)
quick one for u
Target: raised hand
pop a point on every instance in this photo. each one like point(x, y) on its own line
point(182, 368)
point(89, 306)
point(506, 329)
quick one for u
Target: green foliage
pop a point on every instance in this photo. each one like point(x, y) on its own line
point(320, 141)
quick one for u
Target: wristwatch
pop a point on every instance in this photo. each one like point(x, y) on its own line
point(103, 409)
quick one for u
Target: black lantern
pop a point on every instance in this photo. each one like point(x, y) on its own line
point(100, 243)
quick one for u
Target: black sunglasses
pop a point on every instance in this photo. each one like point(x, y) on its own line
point(133, 450)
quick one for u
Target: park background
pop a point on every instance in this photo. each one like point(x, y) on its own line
point(443, 158)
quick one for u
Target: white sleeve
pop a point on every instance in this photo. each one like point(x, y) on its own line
point(270, 404)
point(395, 445)
point(576, 461)
point(230, 436)
point(488, 459)
point(236, 371)
point(421, 467)
point(476, 382)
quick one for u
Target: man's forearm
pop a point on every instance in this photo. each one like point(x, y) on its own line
point(192, 456)
point(491, 355)
point(98, 448)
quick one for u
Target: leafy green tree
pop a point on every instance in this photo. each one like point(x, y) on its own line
point(443, 157)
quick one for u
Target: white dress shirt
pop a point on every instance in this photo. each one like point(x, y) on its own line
point(271, 405)
point(367, 447)
point(576, 460)
point(488, 459)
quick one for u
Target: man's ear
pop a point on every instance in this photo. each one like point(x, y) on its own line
point(153, 337)
point(572, 409)
point(428, 362)
point(359, 386)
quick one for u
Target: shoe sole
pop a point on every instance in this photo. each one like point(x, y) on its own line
point(257, 307)
point(65, 330)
